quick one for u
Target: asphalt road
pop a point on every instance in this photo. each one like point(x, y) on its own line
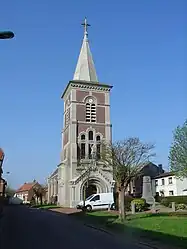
point(26, 228)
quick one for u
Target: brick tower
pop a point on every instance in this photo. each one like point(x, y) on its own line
point(86, 124)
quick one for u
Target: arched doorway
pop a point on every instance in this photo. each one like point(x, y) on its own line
point(91, 189)
point(96, 185)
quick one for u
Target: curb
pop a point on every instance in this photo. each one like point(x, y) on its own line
point(115, 235)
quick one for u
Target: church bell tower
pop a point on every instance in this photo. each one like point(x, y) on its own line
point(86, 123)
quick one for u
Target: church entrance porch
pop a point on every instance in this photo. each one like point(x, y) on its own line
point(94, 186)
point(90, 190)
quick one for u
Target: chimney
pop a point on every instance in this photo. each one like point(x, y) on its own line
point(160, 169)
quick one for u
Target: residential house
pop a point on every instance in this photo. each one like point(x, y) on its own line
point(167, 184)
point(136, 186)
point(26, 191)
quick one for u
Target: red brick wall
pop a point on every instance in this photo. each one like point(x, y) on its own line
point(100, 97)
point(81, 110)
point(80, 95)
point(100, 114)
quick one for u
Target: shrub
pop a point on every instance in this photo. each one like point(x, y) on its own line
point(165, 202)
point(177, 199)
point(181, 206)
point(140, 204)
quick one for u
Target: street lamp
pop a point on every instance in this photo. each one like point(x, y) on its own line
point(2, 155)
point(6, 34)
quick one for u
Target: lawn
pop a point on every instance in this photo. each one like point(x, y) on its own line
point(171, 225)
point(166, 228)
point(45, 206)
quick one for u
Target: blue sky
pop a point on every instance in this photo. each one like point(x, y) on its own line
point(138, 46)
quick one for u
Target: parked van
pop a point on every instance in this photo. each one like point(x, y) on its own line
point(15, 201)
point(98, 201)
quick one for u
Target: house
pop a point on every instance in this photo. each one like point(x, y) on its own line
point(167, 184)
point(26, 191)
point(135, 188)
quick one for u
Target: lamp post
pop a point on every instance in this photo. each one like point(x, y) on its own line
point(2, 155)
point(6, 35)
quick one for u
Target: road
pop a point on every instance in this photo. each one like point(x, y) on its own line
point(26, 228)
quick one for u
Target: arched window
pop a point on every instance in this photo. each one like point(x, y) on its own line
point(83, 137)
point(98, 147)
point(90, 151)
point(98, 138)
point(83, 153)
point(90, 135)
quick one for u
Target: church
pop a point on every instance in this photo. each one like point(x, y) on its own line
point(86, 123)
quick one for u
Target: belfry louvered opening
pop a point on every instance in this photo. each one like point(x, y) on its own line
point(90, 112)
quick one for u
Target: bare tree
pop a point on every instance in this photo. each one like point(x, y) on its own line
point(39, 192)
point(126, 158)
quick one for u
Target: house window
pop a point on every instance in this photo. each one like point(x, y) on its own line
point(171, 192)
point(90, 111)
point(170, 180)
point(163, 182)
point(156, 182)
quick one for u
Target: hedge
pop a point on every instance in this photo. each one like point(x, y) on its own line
point(128, 199)
point(166, 201)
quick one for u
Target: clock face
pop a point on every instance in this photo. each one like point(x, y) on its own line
point(90, 100)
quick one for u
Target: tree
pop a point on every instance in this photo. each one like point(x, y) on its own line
point(126, 158)
point(9, 191)
point(39, 192)
point(178, 151)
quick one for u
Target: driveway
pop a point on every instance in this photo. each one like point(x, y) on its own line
point(25, 228)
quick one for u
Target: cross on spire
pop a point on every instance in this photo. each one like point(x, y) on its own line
point(86, 25)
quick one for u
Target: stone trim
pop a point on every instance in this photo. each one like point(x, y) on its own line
point(83, 103)
point(81, 84)
point(100, 88)
point(94, 124)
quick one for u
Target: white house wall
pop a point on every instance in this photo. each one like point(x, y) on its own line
point(177, 186)
point(181, 185)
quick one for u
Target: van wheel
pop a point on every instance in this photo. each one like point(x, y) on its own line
point(88, 208)
point(113, 206)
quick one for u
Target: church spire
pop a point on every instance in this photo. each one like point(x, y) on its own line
point(85, 69)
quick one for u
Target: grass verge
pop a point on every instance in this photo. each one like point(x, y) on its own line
point(169, 229)
point(45, 206)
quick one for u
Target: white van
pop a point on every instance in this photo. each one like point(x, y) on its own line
point(15, 201)
point(98, 201)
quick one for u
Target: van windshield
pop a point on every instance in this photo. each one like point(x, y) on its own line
point(89, 197)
